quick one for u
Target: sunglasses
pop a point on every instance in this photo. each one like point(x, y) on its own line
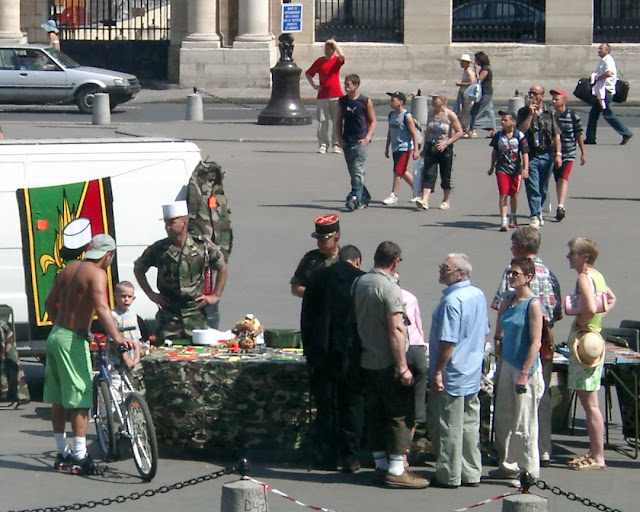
point(514, 273)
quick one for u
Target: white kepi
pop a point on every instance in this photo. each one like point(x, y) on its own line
point(77, 234)
point(175, 209)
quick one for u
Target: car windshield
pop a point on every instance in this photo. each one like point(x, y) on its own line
point(63, 57)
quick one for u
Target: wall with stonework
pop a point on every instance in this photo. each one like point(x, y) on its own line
point(34, 13)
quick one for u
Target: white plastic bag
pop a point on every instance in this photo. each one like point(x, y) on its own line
point(473, 92)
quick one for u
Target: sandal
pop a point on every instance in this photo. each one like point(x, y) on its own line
point(578, 460)
point(588, 464)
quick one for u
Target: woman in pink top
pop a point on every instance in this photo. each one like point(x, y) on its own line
point(329, 90)
point(417, 353)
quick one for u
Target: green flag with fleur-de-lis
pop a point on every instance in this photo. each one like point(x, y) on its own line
point(47, 215)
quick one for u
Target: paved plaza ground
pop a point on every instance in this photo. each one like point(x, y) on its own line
point(276, 185)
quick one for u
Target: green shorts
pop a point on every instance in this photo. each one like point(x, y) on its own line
point(68, 374)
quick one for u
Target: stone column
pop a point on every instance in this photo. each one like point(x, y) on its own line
point(427, 22)
point(202, 25)
point(253, 25)
point(569, 22)
point(10, 22)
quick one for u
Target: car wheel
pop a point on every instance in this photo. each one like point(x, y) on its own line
point(85, 96)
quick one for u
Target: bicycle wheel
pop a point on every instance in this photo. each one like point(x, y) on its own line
point(103, 417)
point(143, 436)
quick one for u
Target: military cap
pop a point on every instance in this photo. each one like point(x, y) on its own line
point(327, 225)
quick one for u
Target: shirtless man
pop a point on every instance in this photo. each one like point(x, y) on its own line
point(79, 291)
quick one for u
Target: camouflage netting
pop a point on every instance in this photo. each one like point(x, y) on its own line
point(232, 402)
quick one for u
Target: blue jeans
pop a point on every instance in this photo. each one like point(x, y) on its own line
point(540, 167)
point(355, 154)
point(609, 117)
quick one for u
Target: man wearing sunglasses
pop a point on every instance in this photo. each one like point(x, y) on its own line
point(538, 124)
point(459, 327)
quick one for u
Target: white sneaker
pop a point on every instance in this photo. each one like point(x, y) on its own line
point(541, 220)
point(392, 199)
point(421, 205)
point(322, 149)
point(414, 199)
point(337, 149)
point(534, 221)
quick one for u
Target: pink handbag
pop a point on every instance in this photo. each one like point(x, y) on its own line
point(574, 304)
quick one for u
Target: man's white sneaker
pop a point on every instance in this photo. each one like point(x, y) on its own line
point(534, 222)
point(414, 199)
point(322, 149)
point(392, 199)
point(337, 149)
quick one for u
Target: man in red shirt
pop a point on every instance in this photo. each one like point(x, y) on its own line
point(329, 90)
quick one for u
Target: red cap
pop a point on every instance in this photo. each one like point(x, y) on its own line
point(561, 92)
point(327, 225)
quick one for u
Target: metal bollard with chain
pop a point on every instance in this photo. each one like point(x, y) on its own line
point(571, 496)
point(138, 495)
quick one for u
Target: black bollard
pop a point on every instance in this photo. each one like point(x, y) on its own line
point(526, 481)
point(285, 106)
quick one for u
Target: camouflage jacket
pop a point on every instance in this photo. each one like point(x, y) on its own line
point(181, 271)
point(209, 212)
point(309, 263)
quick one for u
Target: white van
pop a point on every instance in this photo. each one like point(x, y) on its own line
point(144, 174)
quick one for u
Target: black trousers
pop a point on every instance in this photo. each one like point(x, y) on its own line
point(337, 429)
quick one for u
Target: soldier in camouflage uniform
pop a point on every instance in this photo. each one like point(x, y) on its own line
point(13, 385)
point(328, 235)
point(182, 260)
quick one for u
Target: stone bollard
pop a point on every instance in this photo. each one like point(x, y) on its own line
point(419, 109)
point(243, 496)
point(101, 108)
point(525, 503)
point(195, 110)
point(516, 104)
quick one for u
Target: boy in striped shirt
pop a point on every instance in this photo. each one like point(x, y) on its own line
point(570, 137)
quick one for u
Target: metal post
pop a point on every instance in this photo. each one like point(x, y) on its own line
point(101, 111)
point(195, 110)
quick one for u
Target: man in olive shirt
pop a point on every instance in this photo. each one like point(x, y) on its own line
point(387, 378)
point(328, 235)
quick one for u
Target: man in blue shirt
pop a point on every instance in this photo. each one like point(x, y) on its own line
point(459, 327)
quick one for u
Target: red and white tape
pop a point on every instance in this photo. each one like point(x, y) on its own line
point(495, 498)
point(322, 509)
point(280, 493)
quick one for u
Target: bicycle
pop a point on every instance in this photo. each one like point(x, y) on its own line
point(130, 411)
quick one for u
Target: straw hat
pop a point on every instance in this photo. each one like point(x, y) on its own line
point(588, 347)
point(465, 57)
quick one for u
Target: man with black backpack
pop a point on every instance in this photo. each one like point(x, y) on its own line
point(604, 89)
point(570, 137)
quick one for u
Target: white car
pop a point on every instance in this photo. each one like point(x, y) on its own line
point(35, 74)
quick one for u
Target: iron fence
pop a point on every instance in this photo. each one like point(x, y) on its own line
point(513, 21)
point(616, 21)
point(378, 21)
point(109, 20)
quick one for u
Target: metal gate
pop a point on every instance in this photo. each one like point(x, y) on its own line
point(124, 35)
point(380, 21)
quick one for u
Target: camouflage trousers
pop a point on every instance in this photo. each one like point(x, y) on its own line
point(13, 385)
point(178, 324)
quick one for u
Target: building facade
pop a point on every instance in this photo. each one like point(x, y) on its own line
point(233, 43)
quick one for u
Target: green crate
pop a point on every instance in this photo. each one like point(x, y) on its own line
point(283, 338)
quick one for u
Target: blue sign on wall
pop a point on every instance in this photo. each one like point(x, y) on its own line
point(291, 18)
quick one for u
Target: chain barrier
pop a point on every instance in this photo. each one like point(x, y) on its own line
point(572, 496)
point(138, 495)
point(229, 101)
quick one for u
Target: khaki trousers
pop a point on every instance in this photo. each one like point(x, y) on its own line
point(516, 422)
point(454, 423)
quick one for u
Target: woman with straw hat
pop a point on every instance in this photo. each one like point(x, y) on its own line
point(52, 30)
point(463, 105)
point(586, 357)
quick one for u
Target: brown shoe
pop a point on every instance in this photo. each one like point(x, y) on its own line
point(406, 480)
